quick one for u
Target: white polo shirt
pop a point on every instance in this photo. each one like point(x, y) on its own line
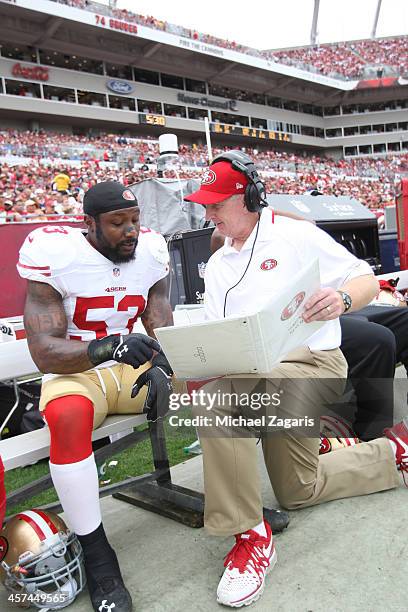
point(282, 247)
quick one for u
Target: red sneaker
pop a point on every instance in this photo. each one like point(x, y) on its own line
point(399, 435)
point(246, 566)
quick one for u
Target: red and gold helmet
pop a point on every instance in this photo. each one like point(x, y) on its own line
point(41, 560)
point(335, 433)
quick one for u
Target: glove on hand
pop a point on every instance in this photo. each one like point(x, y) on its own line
point(159, 388)
point(133, 349)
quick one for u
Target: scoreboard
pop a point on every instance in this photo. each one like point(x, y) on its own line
point(152, 119)
point(238, 130)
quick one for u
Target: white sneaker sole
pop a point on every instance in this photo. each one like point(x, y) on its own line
point(255, 596)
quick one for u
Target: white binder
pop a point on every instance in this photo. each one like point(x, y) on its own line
point(244, 344)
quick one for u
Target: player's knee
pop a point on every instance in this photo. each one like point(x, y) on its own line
point(386, 340)
point(375, 337)
point(70, 420)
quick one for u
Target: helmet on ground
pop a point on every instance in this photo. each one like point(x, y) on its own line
point(41, 560)
point(335, 433)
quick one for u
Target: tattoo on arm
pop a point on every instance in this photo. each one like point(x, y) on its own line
point(45, 323)
point(44, 313)
point(158, 310)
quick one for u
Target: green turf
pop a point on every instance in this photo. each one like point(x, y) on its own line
point(133, 461)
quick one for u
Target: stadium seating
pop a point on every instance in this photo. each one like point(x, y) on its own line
point(30, 160)
point(342, 60)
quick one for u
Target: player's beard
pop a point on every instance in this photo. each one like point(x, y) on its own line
point(113, 253)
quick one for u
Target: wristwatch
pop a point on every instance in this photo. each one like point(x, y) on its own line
point(347, 301)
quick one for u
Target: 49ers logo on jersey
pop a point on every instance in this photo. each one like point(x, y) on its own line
point(208, 177)
point(3, 547)
point(268, 264)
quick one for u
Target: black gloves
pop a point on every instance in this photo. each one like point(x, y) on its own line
point(134, 349)
point(158, 381)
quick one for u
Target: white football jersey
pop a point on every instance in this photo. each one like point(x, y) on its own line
point(99, 297)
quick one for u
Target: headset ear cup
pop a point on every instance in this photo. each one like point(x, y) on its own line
point(255, 189)
point(251, 198)
point(260, 187)
point(247, 198)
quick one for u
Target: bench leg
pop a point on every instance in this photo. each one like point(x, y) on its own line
point(161, 495)
point(159, 451)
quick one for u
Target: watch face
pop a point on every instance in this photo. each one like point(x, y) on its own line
point(346, 301)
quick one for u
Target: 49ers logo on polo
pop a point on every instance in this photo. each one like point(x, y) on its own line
point(208, 177)
point(268, 264)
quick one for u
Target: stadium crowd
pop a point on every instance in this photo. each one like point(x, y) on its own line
point(111, 147)
point(32, 160)
point(105, 147)
point(346, 60)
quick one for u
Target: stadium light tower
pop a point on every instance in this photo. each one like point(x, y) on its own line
point(377, 14)
point(313, 31)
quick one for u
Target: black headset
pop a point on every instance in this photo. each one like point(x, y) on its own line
point(255, 194)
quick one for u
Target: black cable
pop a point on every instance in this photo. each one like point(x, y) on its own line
point(247, 266)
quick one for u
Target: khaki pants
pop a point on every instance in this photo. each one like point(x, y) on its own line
point(108, 389)
point(298, 475)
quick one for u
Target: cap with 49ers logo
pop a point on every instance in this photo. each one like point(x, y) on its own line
point(108, 196)
point(218, 183)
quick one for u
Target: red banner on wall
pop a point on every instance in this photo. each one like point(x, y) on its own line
point(377, 82)
point(13, 287)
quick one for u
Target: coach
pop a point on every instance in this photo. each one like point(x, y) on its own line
point(373, 340)
point(237, 280)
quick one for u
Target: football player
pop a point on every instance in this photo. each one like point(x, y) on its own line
point(84, 293)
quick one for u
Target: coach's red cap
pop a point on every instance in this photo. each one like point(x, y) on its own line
point(218, 183)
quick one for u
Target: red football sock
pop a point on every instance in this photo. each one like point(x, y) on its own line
point(70, 419)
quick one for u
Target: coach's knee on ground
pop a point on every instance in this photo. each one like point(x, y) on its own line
point(297, 495)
